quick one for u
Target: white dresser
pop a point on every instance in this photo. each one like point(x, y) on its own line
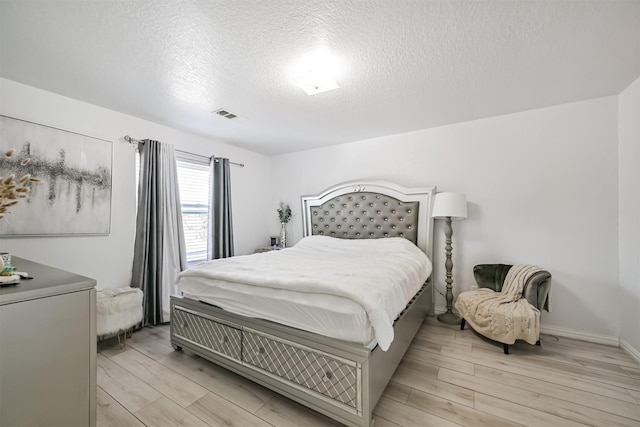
point(48, 349)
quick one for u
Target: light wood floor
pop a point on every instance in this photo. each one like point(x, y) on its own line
point(447, 378)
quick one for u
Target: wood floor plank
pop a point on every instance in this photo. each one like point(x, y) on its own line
point(580, 360)
point(439, 360)
point(552, 356)
point(166, 413)
point(431, 326)
point(432, 385)
point(459, 414)
point(513, 365)
point(171, 384)
point(444, 340)
point(109, 413)
point(216, 411)
point(540, 402)
point(282, 412)
point(152, 342)
point(633, 372)
point(426, 345)
point(552, 364)
point(520, 414)
point(599, 352)
point(381, 422)
point(419, 367)
point(603, 403)
point(244, 393)
point(128, 390)
point(111, 347)
point(591, 347)
point(408, 416)
point(470, 337)
point(159, 332)
point(397, 391)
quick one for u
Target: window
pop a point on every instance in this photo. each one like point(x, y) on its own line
point(193, 182)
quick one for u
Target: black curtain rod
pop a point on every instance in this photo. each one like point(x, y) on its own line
point(133, 141)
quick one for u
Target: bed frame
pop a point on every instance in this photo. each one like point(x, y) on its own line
point(339, 379)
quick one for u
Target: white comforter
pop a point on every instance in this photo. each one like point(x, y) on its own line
point(381, 275)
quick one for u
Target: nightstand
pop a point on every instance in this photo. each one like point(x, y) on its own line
point(265, 249)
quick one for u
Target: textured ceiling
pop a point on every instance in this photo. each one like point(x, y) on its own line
point(403, 65)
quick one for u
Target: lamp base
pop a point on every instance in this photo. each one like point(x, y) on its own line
point(449, 317)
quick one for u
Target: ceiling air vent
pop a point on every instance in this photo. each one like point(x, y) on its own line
point(224, 113)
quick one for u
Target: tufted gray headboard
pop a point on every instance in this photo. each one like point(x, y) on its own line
point(358, 210)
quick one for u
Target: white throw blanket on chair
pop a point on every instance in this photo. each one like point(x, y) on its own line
point(503, 316)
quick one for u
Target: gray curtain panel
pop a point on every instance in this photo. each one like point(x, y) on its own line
point(159, 251)
point(220, 243)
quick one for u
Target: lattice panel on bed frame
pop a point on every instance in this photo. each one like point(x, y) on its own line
point(323, 374)
point(366, 215)
point(207, 333)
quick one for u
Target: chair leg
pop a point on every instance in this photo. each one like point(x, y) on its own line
point(462, 322)
point(505, 347)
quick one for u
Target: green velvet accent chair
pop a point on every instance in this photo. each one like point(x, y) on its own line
point(536, 290)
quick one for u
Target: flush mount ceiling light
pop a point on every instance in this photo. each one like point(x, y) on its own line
point(314, 82)
point(316, 72)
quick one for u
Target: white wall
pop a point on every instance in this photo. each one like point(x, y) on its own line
point(542, 187)
point(108, 258)
point(629, 215)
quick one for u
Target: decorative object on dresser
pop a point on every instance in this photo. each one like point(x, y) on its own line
point(507, 305)
point(449, 206)
point(8, 274)
point(75, 196)
point(284, 214)
point(48, 349)
point(340, 377)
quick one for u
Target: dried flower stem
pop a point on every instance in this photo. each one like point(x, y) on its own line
point(12, 190)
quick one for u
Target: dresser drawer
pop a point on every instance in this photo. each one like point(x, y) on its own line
point(313, 370)
point(218, 337)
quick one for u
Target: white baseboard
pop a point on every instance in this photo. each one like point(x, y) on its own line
point(632, 351)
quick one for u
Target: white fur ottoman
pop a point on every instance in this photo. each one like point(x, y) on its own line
point(118, 310)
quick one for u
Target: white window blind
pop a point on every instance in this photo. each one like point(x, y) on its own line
point(193, 184)
point(193, 181)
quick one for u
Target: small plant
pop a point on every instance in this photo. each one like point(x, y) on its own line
point(13, 190)
point(284, 213)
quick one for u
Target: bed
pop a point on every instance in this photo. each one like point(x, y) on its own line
point(340, 376)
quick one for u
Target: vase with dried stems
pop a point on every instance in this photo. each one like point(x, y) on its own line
point(13, 189)
point(284, 215)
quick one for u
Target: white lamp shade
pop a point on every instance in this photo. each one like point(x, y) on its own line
point(452, 205)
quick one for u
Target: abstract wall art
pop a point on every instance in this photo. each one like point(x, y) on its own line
point(68, 176)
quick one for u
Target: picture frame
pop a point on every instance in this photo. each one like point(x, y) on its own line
point(75, 170)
